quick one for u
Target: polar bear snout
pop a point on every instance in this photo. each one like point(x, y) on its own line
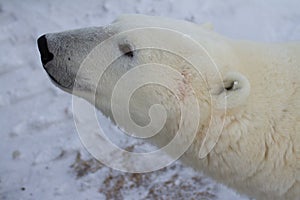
point(46, 55)
point(52, 63)
point(62, 53)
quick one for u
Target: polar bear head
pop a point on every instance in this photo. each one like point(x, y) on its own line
point(134, 40)
point(186, 59)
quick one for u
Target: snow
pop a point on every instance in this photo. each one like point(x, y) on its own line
point(41, 154)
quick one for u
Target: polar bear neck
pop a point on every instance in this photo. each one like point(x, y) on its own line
point(268, 122)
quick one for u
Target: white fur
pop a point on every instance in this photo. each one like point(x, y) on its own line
point(259, 149)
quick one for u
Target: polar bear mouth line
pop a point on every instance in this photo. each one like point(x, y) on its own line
point(79, 85)
point(57, 83)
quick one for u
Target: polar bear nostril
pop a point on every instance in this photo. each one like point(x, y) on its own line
point(46, 55)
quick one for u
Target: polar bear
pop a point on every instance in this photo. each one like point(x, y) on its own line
point(252, 89)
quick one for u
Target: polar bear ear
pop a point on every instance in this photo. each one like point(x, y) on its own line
point(234, 91)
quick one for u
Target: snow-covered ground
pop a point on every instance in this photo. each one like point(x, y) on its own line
point(41, 154)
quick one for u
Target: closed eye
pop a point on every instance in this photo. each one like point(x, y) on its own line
point(127, 50)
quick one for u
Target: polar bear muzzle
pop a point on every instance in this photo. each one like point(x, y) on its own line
point(62, 53)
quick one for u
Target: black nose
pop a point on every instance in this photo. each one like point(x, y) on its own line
point(46, 55)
